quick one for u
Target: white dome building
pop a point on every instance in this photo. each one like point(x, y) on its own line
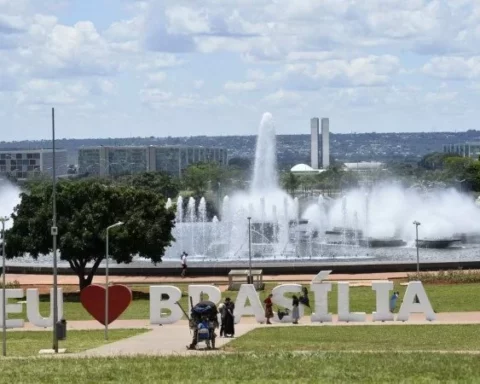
point(305, 169)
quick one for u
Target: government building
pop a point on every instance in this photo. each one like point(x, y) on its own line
point(111, 161)
point(23, 164)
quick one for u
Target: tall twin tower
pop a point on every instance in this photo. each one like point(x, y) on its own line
point(325, 141)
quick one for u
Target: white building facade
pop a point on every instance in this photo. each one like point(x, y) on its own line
point(24, 164)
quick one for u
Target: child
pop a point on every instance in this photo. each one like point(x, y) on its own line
point(393, 301)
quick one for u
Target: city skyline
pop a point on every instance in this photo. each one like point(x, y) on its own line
point(127, 68)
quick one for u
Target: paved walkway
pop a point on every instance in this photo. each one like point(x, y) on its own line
point(27, 279)
point(172, 339)
point(165, 340)
point(442, 318)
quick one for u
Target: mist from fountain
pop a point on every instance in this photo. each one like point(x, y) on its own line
point(279, 230)
point(9, 199)
point(389, 211)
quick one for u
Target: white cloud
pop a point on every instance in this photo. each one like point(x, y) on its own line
point(282, 97)
point(158, 99)
point(158, 61)
point(155, 79)
point(363, 71)
point(198, 84)
point(240, 87)
point(453, 68)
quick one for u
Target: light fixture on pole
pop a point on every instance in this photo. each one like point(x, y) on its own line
point(416, 223)
point(54, 232)
point(3, 220)
point(250, 281)
point(106, 275)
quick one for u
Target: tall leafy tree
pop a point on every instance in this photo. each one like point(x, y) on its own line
point(159, 182)
point(85, 209)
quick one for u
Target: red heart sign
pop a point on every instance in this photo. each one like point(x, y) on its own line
point(93, 300)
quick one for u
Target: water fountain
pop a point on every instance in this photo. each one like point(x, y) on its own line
point(347, 228)
point(350, 227)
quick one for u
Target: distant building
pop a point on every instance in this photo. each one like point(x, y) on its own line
point(23, 164)
point(325, 143)
point(363, 166)
point(314, 126)
point(304, 169)
point(468, 149)
point(103, 161)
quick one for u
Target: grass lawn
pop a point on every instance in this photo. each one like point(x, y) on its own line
point(360, 338)
point(244, 368)
point(444, 298)
point(28, 343)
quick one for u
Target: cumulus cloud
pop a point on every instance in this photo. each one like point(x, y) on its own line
point(384, 54)
point(453, 68)
point(239, 87)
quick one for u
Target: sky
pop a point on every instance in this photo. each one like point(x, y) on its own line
point(128, 68)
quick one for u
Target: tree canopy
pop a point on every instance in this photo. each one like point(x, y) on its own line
point(85, 208)
point(159, 182)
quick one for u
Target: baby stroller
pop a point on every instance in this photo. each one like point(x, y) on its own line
point(203, 321)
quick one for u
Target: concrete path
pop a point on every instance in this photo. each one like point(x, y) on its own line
point(172, 339)
point(27, 279)
point(165, 340)
point(442, 318)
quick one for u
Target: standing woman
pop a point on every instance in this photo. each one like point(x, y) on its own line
point(229, 318)
point(268, 308)
point(295, 311)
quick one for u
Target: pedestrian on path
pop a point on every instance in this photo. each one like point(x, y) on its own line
point(184, 263)
point(268, 308)
point(229, 318)
point(223, 312)
point(393, 301)
point(295, 311)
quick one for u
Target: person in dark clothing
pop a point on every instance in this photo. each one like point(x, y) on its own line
point(223, 311)
point(304, 298)
point(184, 263)
point(229, 318)
point(295, 310)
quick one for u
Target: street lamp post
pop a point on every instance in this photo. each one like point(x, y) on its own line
point(54, 232)
point(250, 281)
point(106, 276)
point(416, 223)
point(3, 220)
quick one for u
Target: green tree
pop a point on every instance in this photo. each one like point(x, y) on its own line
point(290, 182)
point(198, 178)
point(159, 182)
point(85, 209)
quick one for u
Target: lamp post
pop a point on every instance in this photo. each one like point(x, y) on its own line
point(54, 232)
point(416, 223)
point(249, 251)
point(3, 220)
point(106, 276)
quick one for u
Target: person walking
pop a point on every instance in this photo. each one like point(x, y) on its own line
point(295, 311)
point(184, 263)
point(268, 308)
point(229, 330)
point(223, 311)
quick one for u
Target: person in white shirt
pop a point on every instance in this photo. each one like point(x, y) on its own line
point(184, 264)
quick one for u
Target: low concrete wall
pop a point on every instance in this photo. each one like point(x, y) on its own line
point(269, 268)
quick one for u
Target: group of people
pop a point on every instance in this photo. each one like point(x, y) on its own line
point(296, 301)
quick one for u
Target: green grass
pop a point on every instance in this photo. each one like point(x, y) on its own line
point(458, 276)
point(249, 368)
point(444, 298)
point(360, 338)
point(28, 343)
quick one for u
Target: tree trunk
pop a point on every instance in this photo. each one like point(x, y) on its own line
point(84, 279)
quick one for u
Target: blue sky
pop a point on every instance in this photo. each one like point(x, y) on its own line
point(123, 68)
